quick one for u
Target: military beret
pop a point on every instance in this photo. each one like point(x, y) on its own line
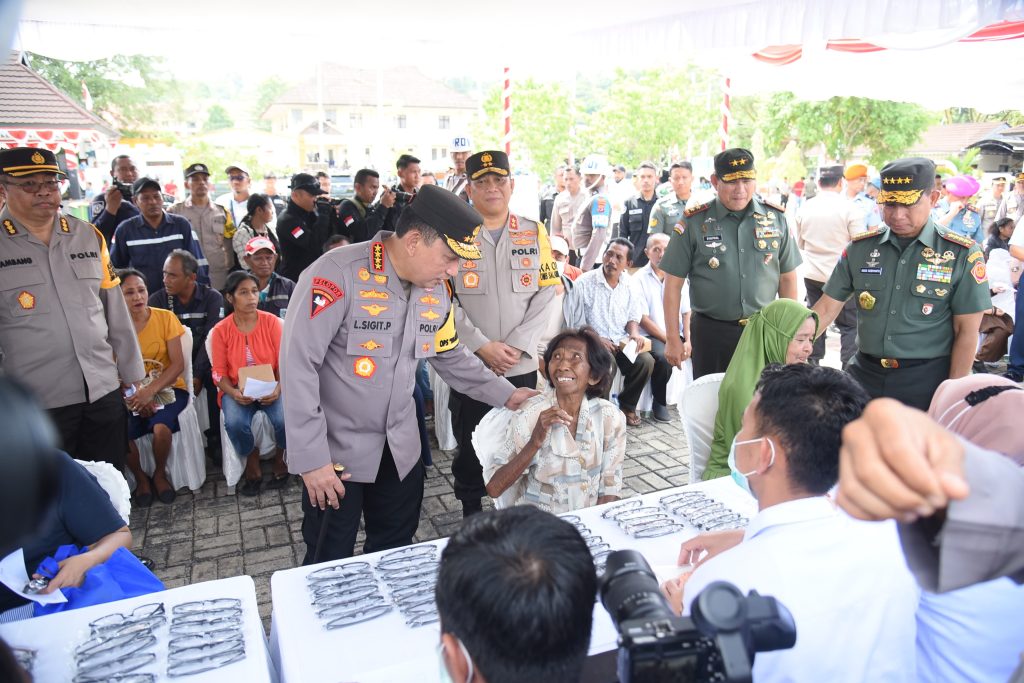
point(962, 186)
point(734, 164)
point(19, 161)
point(905, 180)
point(144, 183)
point(489, 161)
point(456, 221)
point(854, 171)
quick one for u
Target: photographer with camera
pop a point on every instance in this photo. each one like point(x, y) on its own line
point(115, 205)
point(515, 594)
point(852, 598)
point(408, 168)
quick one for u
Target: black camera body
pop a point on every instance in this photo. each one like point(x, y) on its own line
point(717, 643)
point(124, 188)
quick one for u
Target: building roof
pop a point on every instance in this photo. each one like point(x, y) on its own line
point(403, 85)
point(945, 140)
point(1002, 141)
point(27, 100)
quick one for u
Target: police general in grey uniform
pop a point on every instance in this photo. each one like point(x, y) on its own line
point(920, 290)
point(739, 255)
point(360, 318)
point(504, 304)
point(65, 331)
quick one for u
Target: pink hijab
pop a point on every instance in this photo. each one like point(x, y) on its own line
point(985, 410)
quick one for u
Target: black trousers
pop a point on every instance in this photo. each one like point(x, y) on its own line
point(212, 411)
point(714, 342)
point(911, 384)
point(466, 415)
point(634, 378)
point(389, 506)
point(661, 374)
point(96, 431)
point(846, 321)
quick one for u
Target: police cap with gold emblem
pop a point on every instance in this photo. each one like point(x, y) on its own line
point(488, 161)
point(20, 161)
point(457, 222)
point(734, 164)
point(905, 180)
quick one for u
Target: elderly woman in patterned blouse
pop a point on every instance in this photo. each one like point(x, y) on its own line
point(562, 450)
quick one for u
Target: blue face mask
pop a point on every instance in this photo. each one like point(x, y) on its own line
point(740, 477)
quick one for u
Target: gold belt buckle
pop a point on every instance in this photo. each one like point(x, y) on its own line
point(743, 321)
point(890, 363)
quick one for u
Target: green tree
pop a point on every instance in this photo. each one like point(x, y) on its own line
point(217, 118)
point(267, 91)
point(123, 87)
point(540, 125)
point(844, 124)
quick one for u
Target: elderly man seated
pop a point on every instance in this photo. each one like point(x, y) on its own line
point(851, 595)
point(515, 594)
point(614, 309)
point(650, 283)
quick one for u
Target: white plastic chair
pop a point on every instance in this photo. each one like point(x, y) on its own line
point(113, 483)
point(262, 434)
point(697, 411)
point(186, 465)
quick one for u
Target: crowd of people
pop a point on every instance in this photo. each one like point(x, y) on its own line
point(337, 308)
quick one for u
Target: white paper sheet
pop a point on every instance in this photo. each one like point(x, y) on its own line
point(630, 350)
point(14, 576)
point(257, 388)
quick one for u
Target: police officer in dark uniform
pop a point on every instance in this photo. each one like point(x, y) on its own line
point(920, 289)
point(739, 255)
point(114, 206)
point(301, 235)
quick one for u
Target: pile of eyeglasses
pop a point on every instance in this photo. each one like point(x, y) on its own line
point(120, 644)
point(25, 658)
point(346, 594)
point(205, 635)
point(597, 546)
point(642, 521)
point(702, 511)
point(411, 576)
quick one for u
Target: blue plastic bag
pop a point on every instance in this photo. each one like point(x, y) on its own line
point(121, 576)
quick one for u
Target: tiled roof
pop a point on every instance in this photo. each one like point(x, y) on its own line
point(952, 139)
point(405, 86)
point(27, 100)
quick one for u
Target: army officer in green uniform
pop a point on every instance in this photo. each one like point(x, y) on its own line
point(739, 256)
point(920, 290)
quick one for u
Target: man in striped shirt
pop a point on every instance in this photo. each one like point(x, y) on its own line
point(144, 242)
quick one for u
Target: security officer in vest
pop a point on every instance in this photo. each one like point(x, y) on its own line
point(920, 289)
point(504, 303)
point(361, 317)
point(65, 331)
point(739, 256)
point(115, 206)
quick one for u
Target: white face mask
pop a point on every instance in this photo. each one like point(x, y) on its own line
point(560, 265)
point(443, 670)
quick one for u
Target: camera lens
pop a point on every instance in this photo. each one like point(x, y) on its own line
point(629, 589)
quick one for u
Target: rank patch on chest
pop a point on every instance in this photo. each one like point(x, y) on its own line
point(377, 256)
point(26, 301)
point(322, 296)
point(374, 309)
point(364, 367)
point(9, 227)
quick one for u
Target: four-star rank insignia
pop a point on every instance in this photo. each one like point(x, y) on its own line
point(364, 367)
point(26, 301)
point(322, 296)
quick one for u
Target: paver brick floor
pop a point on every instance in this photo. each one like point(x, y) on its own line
point(210, 534)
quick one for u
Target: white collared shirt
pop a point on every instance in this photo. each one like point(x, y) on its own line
point(845, 583)
point(652, 291)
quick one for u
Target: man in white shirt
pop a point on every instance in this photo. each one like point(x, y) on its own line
point(844, 581)
point(614, 309)
point(236, 202)
point(649, 282)
point(825, 224)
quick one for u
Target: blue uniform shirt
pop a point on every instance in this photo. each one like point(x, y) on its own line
point(967, 222)
point(869, 207)
point(108, 222)
point(139, 246)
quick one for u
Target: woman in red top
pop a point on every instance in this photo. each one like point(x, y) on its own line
point(245, 338)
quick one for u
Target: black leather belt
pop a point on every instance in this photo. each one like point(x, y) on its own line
point(894, 363)
point(742, 322)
